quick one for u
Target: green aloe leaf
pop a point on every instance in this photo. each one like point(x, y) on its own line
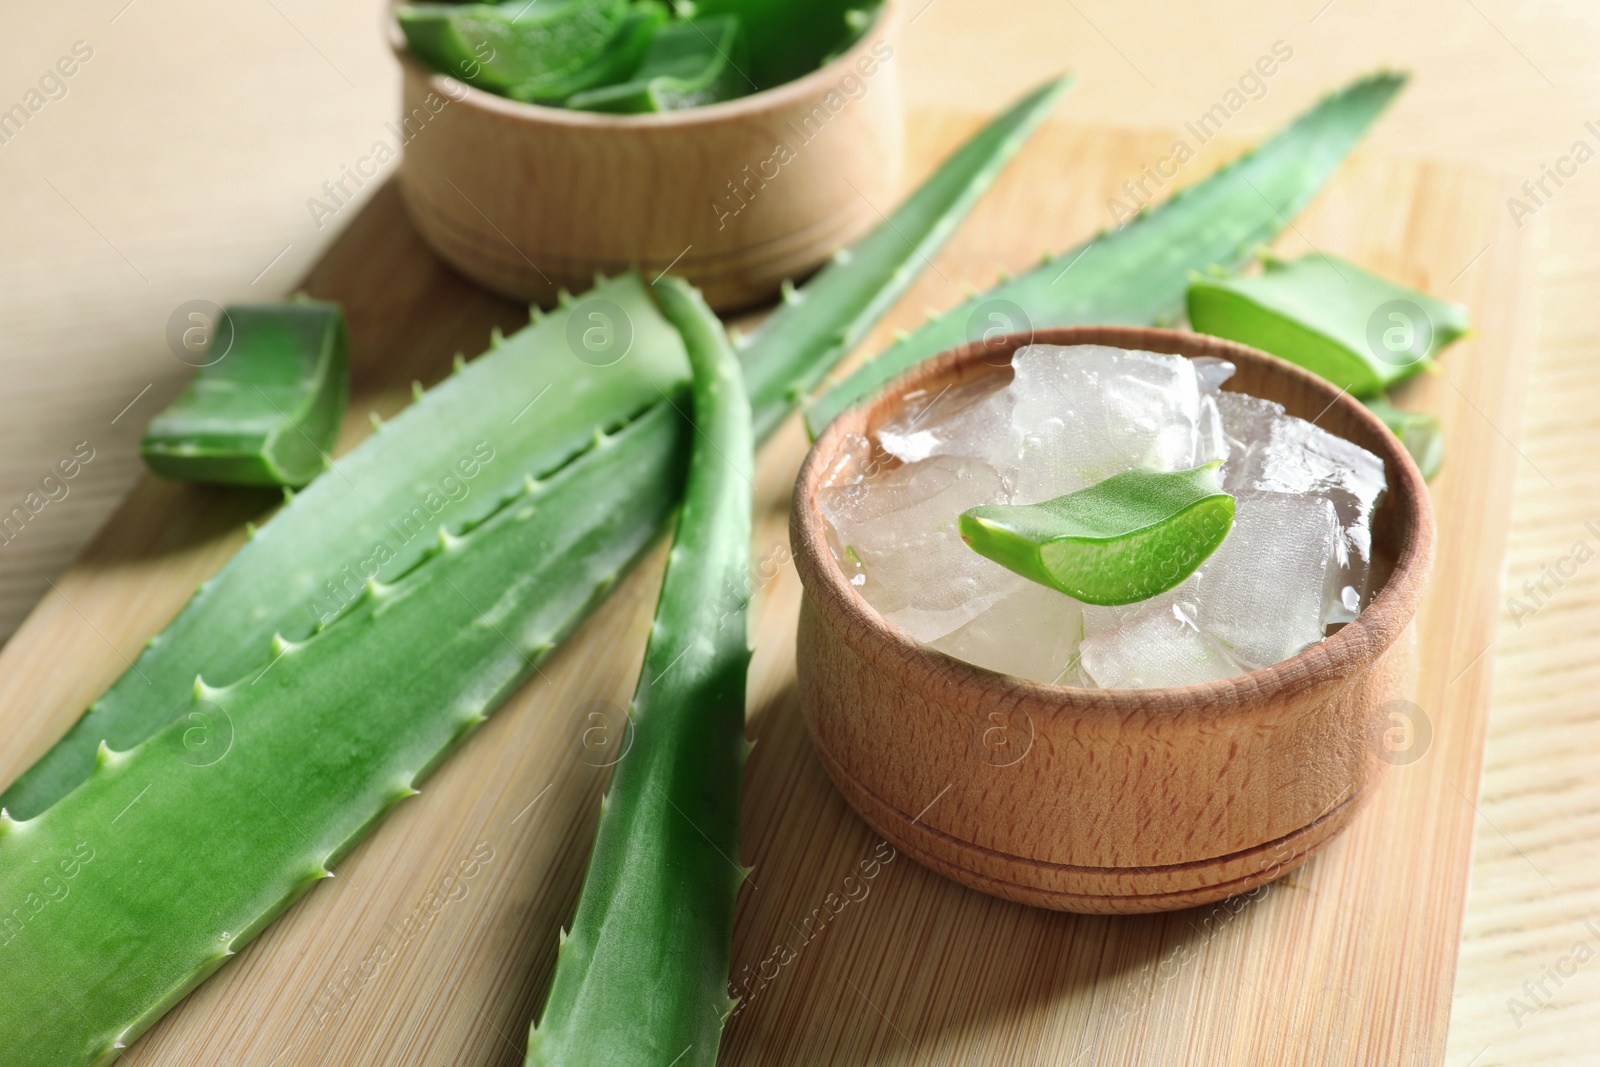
point(1128, 538)
point(522, 410)
point(500, 46)
point(815, 326)
point(173, 854)
point(1138, 273)
point(1419, 431)
point(1360, 331)
point(689, 63)
point(264, 410)
point(654, 923)
point(615, 63)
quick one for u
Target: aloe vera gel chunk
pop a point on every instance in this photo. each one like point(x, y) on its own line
point(1106, 518)
point(1361, 332)
point(265, 409)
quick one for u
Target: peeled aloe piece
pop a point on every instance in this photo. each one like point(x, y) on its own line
point(1125, 539)
point(617, 61)
point(1361, 332)
point(641, 978)
point(815, 326)
point(500, 46)
point(689, 63)
point(1418, 430)
point(266, 410)
point(522, 410)
point(1137, 274)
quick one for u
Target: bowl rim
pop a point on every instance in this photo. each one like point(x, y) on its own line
point(1355, 647)
point(885, 26)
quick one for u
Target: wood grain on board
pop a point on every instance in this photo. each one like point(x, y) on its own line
point(1348, 960)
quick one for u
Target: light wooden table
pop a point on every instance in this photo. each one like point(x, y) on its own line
point(179, 161)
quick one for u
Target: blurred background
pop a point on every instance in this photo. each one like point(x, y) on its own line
point(177, 161)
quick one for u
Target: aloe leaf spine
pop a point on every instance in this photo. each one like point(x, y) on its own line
point(649, 947)
point(1138, 273)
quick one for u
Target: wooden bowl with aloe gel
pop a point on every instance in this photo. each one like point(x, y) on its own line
point(1097, 800)
point(735, 196)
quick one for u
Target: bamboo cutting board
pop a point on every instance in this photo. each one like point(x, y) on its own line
point(434, 943)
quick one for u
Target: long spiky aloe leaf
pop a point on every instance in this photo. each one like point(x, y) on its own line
point(319, 737)
point(522, 410)
point(1138, 274)
point(129, 890)
point(648, 950)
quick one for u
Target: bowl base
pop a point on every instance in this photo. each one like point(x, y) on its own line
point(1093, 890)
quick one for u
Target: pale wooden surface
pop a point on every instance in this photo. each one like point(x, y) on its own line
point(1347, 960)
point(193, 140)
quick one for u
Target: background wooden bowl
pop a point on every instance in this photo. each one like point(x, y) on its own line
point(735, 197)
point(1121, 800)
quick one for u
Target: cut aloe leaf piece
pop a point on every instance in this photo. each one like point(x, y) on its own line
point(690, 63)
point(265, 409)
point(1362, 332)
point(1138, 273)
point(498, 46)
point(615, 63)
point(1418, 430)
point(1125, 539)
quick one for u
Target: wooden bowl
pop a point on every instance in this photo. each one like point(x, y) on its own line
point(1108, 800)
point(736, 197)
